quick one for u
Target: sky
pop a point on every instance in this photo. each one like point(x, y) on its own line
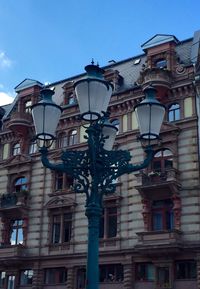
point(48, 40)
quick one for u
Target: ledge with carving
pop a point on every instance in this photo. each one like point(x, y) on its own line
point(19, 121)
point(153, 242)
point(155, 76)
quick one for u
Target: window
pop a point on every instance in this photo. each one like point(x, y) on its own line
point(162, 160)
point(26, 277)
point(16, 232)
point(163, 277)
point(33, 147)
point(61, 228)
point(174, 112)
point(186, 269)
point(108, 223)
point(73, 137)
point(20, 184)
point(162, 215)
point(145, 272)
point(16, 149)
point(161, 63)
point(2, 278)
point(71, 99)
point(81, 278)
point(62, 140)
point(55, 276)
point(11, 282)
point(111, 273)
point(28, 105)
point(63, 181)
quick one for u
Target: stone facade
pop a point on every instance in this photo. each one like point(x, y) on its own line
point(150, 229)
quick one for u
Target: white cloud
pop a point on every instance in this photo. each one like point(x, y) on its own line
point(5, 98)
point(4, 60)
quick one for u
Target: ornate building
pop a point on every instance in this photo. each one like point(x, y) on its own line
point(150, 228)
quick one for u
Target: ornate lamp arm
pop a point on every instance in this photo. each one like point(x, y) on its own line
point(46, 163)
point(129, 168)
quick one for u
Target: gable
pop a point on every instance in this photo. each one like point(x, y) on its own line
point(26, 83)
point(159, 39)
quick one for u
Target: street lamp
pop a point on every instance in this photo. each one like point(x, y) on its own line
point(95, 169)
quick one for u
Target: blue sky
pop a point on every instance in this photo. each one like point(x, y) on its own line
point(50, 40)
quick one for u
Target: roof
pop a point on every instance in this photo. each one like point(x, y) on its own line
point(26, 83)
point(159, 39)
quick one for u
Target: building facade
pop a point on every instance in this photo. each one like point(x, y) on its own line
point(150, 227)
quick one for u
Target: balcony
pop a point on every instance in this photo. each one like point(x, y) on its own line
point(8, 254)
point(156, 76)
point(154, 241)
point(10, 202)
point(20, 121)
point(167, 181)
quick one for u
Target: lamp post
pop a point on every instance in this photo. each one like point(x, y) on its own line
point(95, 168)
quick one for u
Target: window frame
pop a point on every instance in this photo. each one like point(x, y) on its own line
point(186, 262)
point(163, 210)
point(51, 272)
point(73, 137)
point(59, 226)
point(143, 268)
point(107, 216)
point(173, 109)
point(62, 181)
point(16, 149)
point(108, 271)
point(16, 225)
point(21, 280)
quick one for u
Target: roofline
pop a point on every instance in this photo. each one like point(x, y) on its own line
point(104, 67)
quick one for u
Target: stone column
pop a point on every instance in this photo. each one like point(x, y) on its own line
point(128, 276)
point(70, 278)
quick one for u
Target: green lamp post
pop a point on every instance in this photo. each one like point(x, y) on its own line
point(95, 168)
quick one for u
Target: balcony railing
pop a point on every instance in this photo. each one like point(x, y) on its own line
point(153, 178)
point(156, 76)
point(19, 121)
point(10, 252)
point(152, 238)
point(9, 200)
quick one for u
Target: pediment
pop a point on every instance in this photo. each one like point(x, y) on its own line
point(26, 83)
point(18, 159)
point(172, 127)
point(60, 201)
point(159, 39)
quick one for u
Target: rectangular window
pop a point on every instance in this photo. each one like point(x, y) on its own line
point(163, 277)
point(2, 278)
point(26, 277)
point(11, 282)
point(81, 278)
point(108, 223)
point(61, 228)
point(55, 276)
point(186, 269)
point(145, 272)
point(111, 273)
point(16, 232)
point(63, 181)
point(162, 215)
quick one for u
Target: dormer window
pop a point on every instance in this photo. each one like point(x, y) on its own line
point(28, 105)
point(161, 63)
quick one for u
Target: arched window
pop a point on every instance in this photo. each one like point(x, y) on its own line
point(33, 147)
point(73, 137)
point(62, 140)
point(163, 160)
point(16, 149)
point(174, 112)
point(20, 184)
